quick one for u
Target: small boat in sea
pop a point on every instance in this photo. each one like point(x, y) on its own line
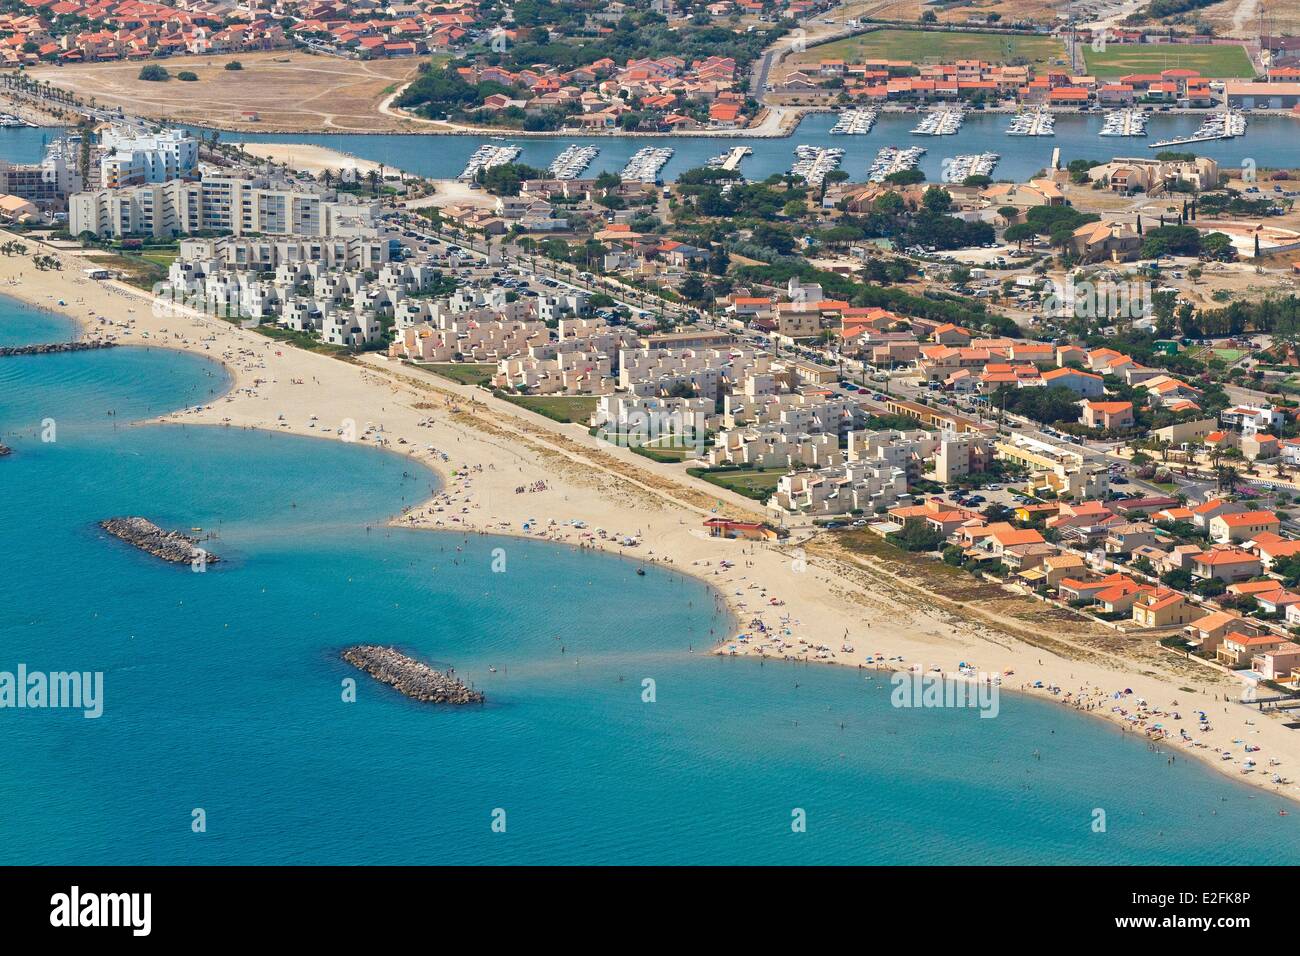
point(640, 572)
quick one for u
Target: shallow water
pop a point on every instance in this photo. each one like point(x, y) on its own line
point(223, 690)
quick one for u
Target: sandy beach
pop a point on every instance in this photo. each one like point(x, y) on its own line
point(310, 158)
point(509, 472)
point(315, 159)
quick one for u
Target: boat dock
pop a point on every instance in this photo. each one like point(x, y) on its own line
point(571, 163)
point(892, 159)
point(969, 164)
point(814, 162)
point(1036, 123)
point(855, 122)
point(645, 164)
point(730, 160)
point(486, 157)
point(1226, 125)
point(940, 121)
point(1125, 123)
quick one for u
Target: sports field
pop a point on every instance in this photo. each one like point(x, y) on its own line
point(1120, 59)
point(921, 45)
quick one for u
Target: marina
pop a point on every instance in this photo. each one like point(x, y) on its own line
point(645, 164)
point(1036, 123)
point(1130, 122)
point(1271, 142)
point(814, 162)
point(1226, 125)
point(940, 121)
point(892, 159)
point(571, 163)
point(855, 122)
point(486, 157)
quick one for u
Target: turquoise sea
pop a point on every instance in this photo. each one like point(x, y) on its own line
point(223, 690)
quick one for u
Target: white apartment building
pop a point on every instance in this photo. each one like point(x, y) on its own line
point(473, 341)
point(959, 455)
point(705, 371)
point(853, 486)
point(222, 204)
point(47, 183)
point(351, 330)
point(898, 449)
point(132, 157)
point(774, 446)
point(267, 255)
point(568, 373)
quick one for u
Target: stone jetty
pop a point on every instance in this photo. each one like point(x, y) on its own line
point(50, 348)
point(169, 545)
point(413, 678)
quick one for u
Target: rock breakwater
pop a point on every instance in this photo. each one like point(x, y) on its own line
point(51, 348)
point(171, 546)
point(413, 678)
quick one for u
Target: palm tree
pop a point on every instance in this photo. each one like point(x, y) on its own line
point(1227, 477)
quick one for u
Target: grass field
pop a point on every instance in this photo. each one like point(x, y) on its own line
point(1120, 59)
point(462, 373)
point(758, 483)
point(918, 45)
point(667, 449)
point(559, 408)
point(1231, 356)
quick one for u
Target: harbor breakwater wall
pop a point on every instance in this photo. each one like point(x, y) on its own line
point(413, 678)
point(170, 546)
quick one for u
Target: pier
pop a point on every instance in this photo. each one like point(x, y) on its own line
point(732, 158)
point(171, 546)
point(891, 160)
point(1038, 123)
point(940, 121)
point(855, 122)
point(812, 163)
point(970, 164)
point(53, 348)
point(410, 677)
point(486, 157)
point(1125, 123)
point(645, 164)
point(1226, 125)
point(571, 163)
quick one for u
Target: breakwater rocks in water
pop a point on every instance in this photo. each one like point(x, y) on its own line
point(169, 545)
point(50, 348)
point(413, 678)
